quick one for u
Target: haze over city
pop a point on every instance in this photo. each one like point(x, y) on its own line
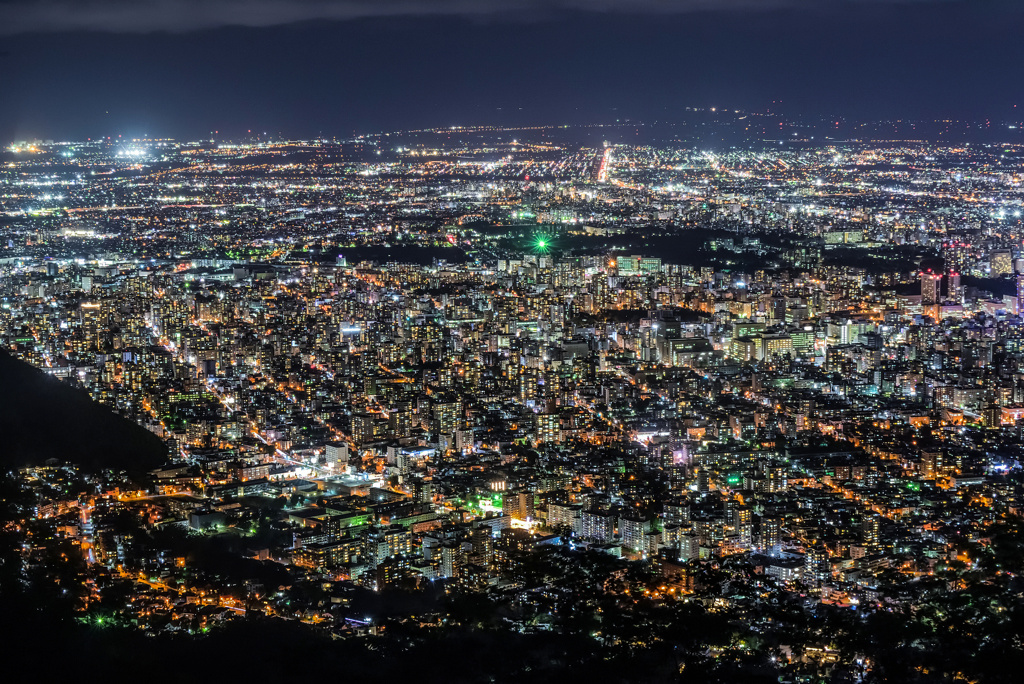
point(179, 69)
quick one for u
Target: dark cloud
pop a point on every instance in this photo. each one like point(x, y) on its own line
point(143, 16)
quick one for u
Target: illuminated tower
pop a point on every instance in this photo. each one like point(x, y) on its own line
point(771, 532)
point(930, 288)
point(956, 254)
point(869, 530)
point(816, 566)
point(953, 286)
point(90, 316)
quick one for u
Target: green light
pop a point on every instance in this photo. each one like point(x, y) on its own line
point(541, 243)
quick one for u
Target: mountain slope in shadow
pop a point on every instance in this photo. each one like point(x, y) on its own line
point(42, 417)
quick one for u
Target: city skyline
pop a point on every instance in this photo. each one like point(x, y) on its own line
point(628, 341)
point(731, 415)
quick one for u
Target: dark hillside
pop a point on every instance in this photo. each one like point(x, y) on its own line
point(42, 418)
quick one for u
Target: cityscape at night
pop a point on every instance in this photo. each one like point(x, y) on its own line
point(638, 392)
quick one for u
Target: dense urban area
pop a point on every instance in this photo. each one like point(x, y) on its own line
point(486, 404)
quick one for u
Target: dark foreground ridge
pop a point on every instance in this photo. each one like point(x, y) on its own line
point(43, 418)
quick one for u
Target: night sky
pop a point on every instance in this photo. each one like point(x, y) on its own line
point(72, 69)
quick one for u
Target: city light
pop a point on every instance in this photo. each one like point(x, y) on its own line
point(506, 389)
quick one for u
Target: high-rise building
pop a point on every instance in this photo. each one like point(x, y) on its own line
point(90, 313)
point(771, 532)
point(869, 530)
point(483, 546)
point(518, 504)
point(548, 428)
point(742, 526)
point(1000, 262)
point(452, 560)
point(953, 287)
point(632, 531)
point(931, 284)
point(932, 464)
point(1020, 294)
point(816, 566)
point(597, 525)
point(446, 416)
point(777, 345)
point(689, 547)
point(337, 455)
point(956, 254)
point(563, 516)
